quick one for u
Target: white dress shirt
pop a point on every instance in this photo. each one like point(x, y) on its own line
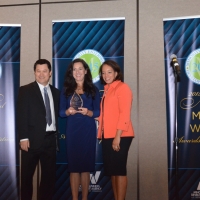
point(52, 127)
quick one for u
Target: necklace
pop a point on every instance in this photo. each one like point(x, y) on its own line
point(79, 90)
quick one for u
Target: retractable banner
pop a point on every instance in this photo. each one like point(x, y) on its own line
point(94, 40)
point(181, 37)
point(9, 85)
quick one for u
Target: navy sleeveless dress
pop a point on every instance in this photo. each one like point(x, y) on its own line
point(81, 134)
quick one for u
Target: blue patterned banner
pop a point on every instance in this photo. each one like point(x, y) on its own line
point(94, 41)
point(9, 84)
point(181, 37)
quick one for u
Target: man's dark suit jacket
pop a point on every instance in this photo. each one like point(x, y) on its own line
point(31, 121)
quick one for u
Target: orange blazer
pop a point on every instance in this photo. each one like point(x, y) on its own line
point(116, 113)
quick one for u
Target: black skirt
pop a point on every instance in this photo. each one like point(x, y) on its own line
point(115, 161)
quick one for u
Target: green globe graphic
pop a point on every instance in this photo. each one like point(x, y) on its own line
point(93, 62)
point(194, 66)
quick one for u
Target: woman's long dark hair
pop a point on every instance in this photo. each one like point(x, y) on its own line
point(70, 84)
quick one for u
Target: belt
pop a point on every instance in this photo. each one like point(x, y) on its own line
point(50, 132)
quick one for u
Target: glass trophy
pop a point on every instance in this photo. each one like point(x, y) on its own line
point(76, 101)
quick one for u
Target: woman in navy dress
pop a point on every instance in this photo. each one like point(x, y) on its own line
point(81, 126)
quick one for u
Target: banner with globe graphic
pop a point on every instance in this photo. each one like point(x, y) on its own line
point(181, 37)
point(94, 40)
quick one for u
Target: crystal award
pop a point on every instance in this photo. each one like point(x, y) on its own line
point(76, 101)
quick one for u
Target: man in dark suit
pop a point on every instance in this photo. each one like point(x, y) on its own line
point(37, 126)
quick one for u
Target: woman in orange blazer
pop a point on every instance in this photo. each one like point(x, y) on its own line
point(115, 127)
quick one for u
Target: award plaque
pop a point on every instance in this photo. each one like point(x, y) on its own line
point(76, 101)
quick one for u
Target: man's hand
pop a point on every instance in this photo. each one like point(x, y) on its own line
point(24, 145)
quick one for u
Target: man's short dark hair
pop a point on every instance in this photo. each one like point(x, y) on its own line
point(41, 62)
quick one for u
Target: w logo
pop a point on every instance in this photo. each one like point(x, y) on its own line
point(198, 188)
point(94, 177)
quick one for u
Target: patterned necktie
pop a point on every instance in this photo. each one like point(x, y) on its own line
point(48, 108)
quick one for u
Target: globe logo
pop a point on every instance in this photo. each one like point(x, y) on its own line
point(94, 60)
point(192, 66)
